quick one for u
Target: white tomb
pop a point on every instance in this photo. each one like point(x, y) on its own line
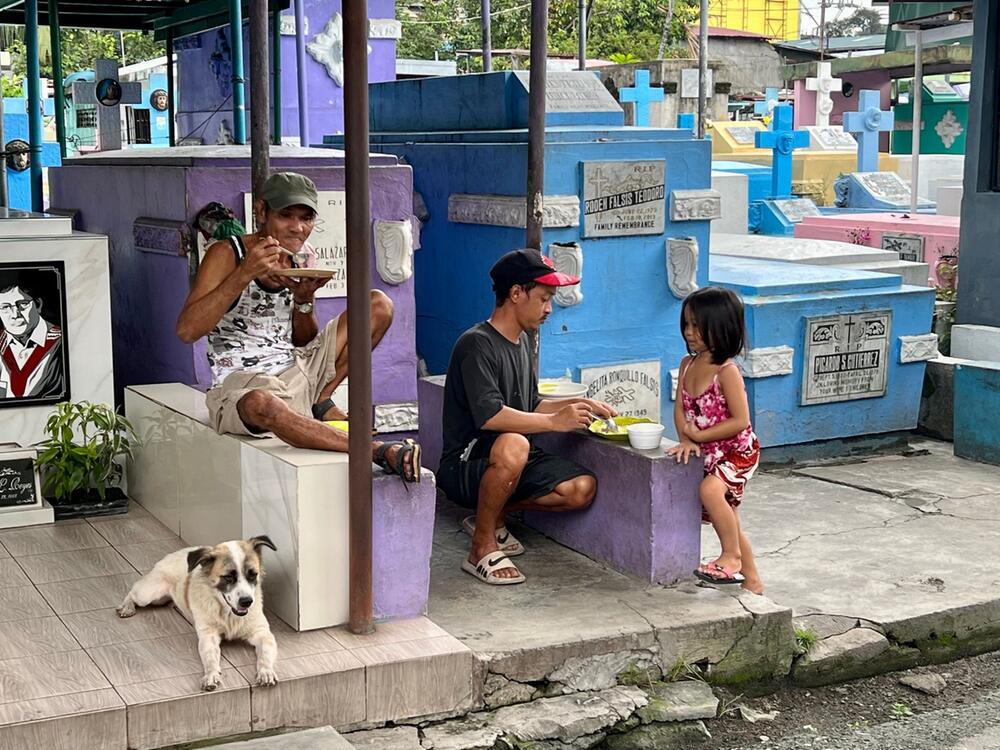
point(949, 200)
point(812, 252)
point(932, 167)
point(734, 191)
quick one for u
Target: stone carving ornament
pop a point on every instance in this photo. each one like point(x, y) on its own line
point(695, 205)
point(948, 129)
point(327, 48)
point(511, 210)
point(568, 258)
point(769, 361)
point(394, 250)
point(918, 348)
point(682, 265)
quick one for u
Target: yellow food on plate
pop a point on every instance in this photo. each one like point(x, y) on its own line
point(599, 428)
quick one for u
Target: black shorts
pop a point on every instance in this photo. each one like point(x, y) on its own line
point(459, 479)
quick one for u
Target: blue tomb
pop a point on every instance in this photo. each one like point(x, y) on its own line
point(15, 128)
point(758, 179)
point(831, 352)
point(629, 210)
point(155, 125)
point(613, 197)
point(780, 211)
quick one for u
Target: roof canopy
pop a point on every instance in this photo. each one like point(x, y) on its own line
point(183, 17)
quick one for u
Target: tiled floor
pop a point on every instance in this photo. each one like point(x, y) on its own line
point(72, 674)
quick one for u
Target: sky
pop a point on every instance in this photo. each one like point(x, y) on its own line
point(833, 11)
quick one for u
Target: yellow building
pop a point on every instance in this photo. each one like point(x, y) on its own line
point(775, 19)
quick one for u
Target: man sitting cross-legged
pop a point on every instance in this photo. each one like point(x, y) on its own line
point(491, 410)
point(273, 369)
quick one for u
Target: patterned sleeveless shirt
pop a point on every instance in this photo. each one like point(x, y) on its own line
point(255, 335)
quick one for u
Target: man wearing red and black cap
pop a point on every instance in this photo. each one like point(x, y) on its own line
point(491, 410)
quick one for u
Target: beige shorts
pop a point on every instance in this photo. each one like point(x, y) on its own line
point(299, 386)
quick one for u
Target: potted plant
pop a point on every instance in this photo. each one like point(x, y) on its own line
point(81, 461)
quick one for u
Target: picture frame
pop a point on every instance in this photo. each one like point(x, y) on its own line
point(34, 346)
point(20, 483)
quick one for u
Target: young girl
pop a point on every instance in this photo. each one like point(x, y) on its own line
point(713, 420)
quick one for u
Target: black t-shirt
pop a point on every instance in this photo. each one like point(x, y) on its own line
point(486, 373)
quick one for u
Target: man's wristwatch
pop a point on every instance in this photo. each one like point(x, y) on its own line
point(304, 308)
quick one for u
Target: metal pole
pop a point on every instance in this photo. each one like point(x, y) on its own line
point(171, 125)
point(582, 43)
point(300, 71)
point(4, 200)
point(822, 29)
point(487, 37)
point(260, 102)
point(276, 81)
point(536, 123)
point(702, 68)
point(58, 92)
point(916, 94)
point(359, 354)
point(34, 103)
point(236, 60)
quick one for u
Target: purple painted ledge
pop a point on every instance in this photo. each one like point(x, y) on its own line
point(646, 519)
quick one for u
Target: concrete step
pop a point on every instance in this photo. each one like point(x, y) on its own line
point(321, 738)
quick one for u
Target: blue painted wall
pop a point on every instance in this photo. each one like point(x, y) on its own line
point(15, 126)
point(779, 297)
point(627, 314)
point(977, 394)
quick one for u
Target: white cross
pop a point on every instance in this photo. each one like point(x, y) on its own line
point(109, 123)
point(823, 84)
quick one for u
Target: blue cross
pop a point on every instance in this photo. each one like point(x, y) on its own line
point(782, 141)
point(770, 101)
point(641, 95)
point(868, 122)
point(686, 120)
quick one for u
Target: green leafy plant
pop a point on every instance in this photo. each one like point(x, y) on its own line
point(805, 639)
point(901, 711)
point(623, 57)
point(84, 449)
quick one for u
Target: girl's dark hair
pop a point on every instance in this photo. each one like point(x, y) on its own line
point(718, 313)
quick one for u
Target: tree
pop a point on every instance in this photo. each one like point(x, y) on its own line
point(80, 47)
point(861, 22)
point(614, 26)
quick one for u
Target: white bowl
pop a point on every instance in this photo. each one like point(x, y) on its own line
point(561, 389)
point(645, 436)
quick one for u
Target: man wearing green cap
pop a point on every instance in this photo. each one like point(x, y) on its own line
point(273, 370)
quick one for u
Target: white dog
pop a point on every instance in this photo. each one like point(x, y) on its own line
point(217, 588)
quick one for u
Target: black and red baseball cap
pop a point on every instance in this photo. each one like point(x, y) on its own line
point(522, 266)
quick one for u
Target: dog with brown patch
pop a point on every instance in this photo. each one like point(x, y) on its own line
point(218, 589)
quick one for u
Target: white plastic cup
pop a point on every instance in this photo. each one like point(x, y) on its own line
point(645, 436)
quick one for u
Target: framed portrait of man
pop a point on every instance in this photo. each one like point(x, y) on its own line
point(34, 352)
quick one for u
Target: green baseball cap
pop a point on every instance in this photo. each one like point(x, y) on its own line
point(284, 189)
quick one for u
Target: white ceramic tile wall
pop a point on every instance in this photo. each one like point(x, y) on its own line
point(88, 318)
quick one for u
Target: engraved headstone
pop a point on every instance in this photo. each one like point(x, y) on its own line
point(689, 83)
point(796, 209)
point(831, 138)
point(573, 91)
point(743, 134)
point(886, 186)
point(846, 357)
point(909, 246)
point(633, 389)
point(939, 88)
point(623, 198)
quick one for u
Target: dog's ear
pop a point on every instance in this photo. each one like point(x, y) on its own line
point(261, 541)
point(200, 556)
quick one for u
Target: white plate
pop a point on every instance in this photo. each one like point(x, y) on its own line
point(560, 389)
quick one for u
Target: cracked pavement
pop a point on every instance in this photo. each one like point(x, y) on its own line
point(890, 541)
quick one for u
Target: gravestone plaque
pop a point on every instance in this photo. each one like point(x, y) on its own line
point(909, 246)
point(633, 389)
point(796, 209)
point(939, 88)
point(831, 139)
point(689, 83)
point(18, 480)
point(623, 198)
point(328, 238)
point(743, 135)
point(846, 357)
point(886, 186)
point(574, 91)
